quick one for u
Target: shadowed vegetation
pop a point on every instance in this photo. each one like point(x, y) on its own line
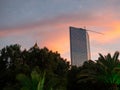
point(43, 69)
point(106, 71)
point(14, 61)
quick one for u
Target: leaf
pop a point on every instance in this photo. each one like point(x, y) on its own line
point(41, 83)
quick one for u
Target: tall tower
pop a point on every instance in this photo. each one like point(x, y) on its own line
point(79, 46)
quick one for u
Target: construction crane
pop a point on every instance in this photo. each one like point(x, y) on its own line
point(93, 31)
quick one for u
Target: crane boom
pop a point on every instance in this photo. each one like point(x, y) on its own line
point(95, 32)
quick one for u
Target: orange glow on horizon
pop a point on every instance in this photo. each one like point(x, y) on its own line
point(55, 34)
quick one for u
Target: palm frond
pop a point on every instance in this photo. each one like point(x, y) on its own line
point(41, 82)
point(116, 55)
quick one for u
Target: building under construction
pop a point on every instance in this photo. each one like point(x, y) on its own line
point(79, 46)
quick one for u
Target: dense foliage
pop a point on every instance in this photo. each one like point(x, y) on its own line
point(104, 73)
point(42, 69)
point(14, 61)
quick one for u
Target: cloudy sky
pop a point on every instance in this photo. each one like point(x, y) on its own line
point(47, 22)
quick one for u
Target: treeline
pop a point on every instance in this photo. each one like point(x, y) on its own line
point(43, 69)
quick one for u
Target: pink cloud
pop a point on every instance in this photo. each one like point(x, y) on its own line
point(54, 33)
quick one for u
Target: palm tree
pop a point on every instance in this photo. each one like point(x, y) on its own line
point(106, 70)
point(35, 82)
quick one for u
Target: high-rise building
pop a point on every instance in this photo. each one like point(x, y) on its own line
point(79, 46)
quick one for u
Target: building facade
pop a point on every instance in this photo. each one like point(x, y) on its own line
point(79, 46)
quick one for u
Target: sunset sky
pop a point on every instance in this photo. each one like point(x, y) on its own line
point(47, 21)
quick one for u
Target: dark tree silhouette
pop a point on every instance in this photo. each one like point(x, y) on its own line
point(14, 61)
point(105, 70)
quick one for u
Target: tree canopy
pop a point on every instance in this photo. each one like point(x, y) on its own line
point(42, 69)
point(14, 61)
point(105, 70)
